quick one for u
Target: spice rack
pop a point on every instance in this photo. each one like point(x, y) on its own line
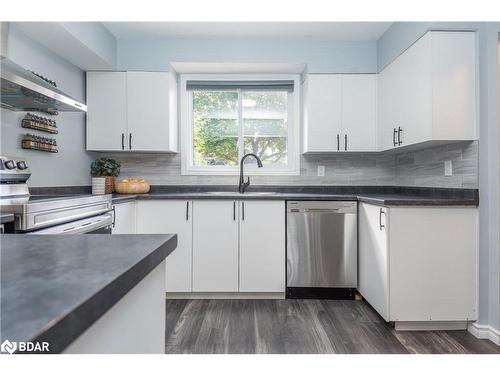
point(34, 142)
point(35, 122)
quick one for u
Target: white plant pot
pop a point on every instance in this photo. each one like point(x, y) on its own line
point(98, 185)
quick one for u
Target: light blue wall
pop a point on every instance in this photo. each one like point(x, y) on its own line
point(71, 165)
point(399, 37)
point(321, 56)
point(96, 37)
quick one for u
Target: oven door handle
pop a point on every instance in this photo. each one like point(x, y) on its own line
point(80, 226)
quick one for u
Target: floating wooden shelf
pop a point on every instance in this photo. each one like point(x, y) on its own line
point(37, 126)
point(30, 145)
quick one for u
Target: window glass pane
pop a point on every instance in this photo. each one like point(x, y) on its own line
point(215, 128)
point(265, 125)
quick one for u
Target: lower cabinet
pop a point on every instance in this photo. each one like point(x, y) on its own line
point(419, 264)
point(124, 218)
point(224, 246)
point(171, 216)
point(215, 246)
point(373, 257)
point(262, 246)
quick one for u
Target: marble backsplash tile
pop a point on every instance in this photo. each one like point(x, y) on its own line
point(416, 168)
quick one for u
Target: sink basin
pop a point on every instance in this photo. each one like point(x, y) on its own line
point(231, 193)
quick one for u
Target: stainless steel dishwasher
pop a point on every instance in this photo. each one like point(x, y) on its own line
point(322, 249)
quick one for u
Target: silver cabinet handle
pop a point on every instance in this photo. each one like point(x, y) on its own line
point(187, 210)
point(243, 210)
point(234, 210)
point(123, 141)
point(345, 142)
point(382, 226)
point(114, 216)
point(130, 141)
point(394, 137)
point(338, 142)
point(400, 142)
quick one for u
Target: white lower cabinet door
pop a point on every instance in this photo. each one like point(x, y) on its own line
point(262, 246)
point(124, 218)
point(171, 216)
point(373, 247)
point(215, 246)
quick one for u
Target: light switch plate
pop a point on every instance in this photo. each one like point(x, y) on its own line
point(448, 168)
point(321, 171)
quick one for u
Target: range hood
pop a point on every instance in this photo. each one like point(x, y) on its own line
point(22, 90)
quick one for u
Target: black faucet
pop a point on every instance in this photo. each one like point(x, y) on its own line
point(243, 184)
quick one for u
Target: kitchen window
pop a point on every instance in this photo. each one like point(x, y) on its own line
point(226, 117)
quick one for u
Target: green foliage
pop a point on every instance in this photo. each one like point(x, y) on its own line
point(105, 167)
point(215, 127)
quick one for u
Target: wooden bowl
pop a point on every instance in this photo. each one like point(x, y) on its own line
point(132, 186)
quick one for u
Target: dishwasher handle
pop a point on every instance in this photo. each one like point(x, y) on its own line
point(314, 209)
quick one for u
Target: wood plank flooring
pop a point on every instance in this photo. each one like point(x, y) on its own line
point(300, 326)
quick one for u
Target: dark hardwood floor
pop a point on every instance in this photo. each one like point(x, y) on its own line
point(300, 326)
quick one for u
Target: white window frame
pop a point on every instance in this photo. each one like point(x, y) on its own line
point(293, 136)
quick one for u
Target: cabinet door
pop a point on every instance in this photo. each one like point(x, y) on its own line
point(262, 246)
point(124, 220)
point(150, 111)
point(454, 85)
point(359, 99)
point(413, 87)
point(215, 246)
point(388, 97)
point(323, 112)
point(106, 111)
point(171, 216)
point(373, 283)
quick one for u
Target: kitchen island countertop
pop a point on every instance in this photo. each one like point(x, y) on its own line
point(55, 287)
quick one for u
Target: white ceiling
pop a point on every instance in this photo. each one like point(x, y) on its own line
point(339, 31)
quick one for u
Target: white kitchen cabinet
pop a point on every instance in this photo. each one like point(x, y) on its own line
point(340, 112)
point(373, 257)
point(124, 218)
point(151, 111)
point(359, 112)
point(132, 111)
point(428, 93)
point(171, 216)
point(106, 111)
point(322, 112)
point(215, 246)
point(414, 266)
point(262, 246)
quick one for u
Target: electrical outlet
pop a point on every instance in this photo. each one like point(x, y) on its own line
point(321, 171)
point(448, 168)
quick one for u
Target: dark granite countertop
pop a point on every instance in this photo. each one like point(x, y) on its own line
point(374, 198)
point(6, 218)
point(55, 287)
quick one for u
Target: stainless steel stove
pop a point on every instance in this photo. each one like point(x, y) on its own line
point(49, 214)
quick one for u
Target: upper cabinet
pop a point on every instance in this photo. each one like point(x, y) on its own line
point(340, 112)
point(132, 111)
point(428, 94)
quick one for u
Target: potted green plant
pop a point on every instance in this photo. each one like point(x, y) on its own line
point(103, 173)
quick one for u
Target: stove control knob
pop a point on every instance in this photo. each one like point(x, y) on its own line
point(10, 164)
point(21, 165)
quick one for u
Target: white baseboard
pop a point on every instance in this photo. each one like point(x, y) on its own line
point(430, 326)
point(225, 295)
point(482, 331)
